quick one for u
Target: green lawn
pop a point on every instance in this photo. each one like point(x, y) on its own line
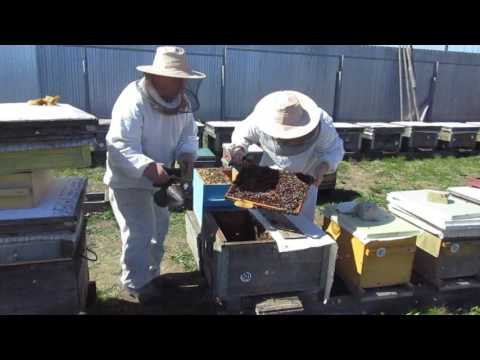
point(369, 179)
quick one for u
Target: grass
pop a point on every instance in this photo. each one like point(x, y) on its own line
point(185, 258)
point(368, 179)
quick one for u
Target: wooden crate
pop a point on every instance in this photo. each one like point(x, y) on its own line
point(24, 190)
point(54, 158)
point(438, 260)
point(373, 264)
point(54, 286)
point(238, 264)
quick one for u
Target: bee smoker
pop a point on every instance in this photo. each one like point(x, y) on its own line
point(174, 193)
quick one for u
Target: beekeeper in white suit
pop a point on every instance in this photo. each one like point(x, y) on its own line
point(151, 128)
point(295, 134)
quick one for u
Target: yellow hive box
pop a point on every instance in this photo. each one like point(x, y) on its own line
point(372, 254)
point(24, 190)
point(41, 159)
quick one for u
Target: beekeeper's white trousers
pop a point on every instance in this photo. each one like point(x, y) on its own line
point(310, 203)
point(143, 228)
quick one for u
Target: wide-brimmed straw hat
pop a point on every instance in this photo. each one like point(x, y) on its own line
point(171, 61)
point(286, 115)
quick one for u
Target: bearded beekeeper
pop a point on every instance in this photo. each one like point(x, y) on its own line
point(295, 134)
point(152, 127)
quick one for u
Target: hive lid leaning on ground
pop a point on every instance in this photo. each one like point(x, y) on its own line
point(389, 228)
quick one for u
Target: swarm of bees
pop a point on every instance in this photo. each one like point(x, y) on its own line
point(47, 100)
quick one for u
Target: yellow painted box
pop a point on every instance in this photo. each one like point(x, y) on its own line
point(24, 190)
point(55, 158)
point(438, 259)
point(372, 254)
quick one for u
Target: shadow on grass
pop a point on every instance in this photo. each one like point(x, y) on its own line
point(336, 196)
point(183, 294)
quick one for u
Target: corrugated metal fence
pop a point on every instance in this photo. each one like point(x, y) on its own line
point(92, 77)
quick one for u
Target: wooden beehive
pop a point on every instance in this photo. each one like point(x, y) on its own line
point(210, 196)
point(239, 259)
point(351, 134)
point(419, 135)
point(372, 254)
point(45, 158)
point(382, 137)
point(50, 286)
point(205, 158)
point(437, 260)
point(24, 190)
point(454, 135)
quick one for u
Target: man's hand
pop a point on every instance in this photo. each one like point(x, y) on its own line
point(320, 172)
point(156, 173)
point(186, 166)
point(237, 154)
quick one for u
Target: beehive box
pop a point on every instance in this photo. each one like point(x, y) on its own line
point(438, 259)
point(210, 196)
point(17, 158)
point(372, 254)
point(48, 286)
point(205, 158)
point(239, 259)
point(351, 134)
point(382, 137)
point(24, 190)
point(419, 135)
point(454, 135)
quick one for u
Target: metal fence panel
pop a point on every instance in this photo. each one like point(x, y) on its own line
point(457, 94)
point(210, 93)
point(18, 73)
point(370, 90)
point(251, 75)
point(109, 72)
point(62, 73)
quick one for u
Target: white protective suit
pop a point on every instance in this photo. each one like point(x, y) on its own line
point(139, 135)
point(327, 146)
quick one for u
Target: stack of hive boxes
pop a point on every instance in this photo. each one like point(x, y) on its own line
point(448, 248)
point(42, 227)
